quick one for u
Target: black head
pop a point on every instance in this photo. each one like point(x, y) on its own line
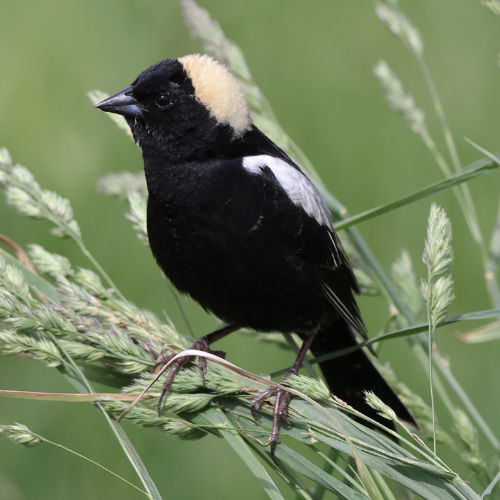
point(182, 108)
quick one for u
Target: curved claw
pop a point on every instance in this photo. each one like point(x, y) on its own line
point(202, 344)
point(280, 411)
point(202, 368)
point(274, 443)
point(170, 378)
point(254, 409)
point(164, 391)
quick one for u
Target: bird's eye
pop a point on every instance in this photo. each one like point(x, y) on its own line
point(162, 100)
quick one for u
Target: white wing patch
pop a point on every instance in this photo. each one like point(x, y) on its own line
point(295, 183)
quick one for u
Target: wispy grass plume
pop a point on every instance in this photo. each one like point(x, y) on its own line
point(493, 6)
point(400, 26)
point(122, 183)
point(392, 16)
point(137, 215)
point(20, 434)
point(398, 99)
point(437, 290)
point(405, 282)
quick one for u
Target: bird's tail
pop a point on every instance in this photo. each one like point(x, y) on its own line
point(351, 375)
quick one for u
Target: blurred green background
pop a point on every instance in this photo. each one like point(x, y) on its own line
point(314, 62)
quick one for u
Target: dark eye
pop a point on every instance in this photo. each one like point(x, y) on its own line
point(162, 100)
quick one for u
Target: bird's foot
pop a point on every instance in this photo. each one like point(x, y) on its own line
point(202, 344)
point(280, 412)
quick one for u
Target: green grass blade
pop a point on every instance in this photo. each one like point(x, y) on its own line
point(216, 418)
point(422, 472)
point(287, 474)
point(259, 432)
point(486, 314)
point(492, 485)
point(485, 152)
point(493, 257)
point(486, 333)
point(379, 453)
point(405, 332)
point(97, 464)
point(78, 380)
point(305, 467)
point(493, 261)
point(388, 494)
point(331, 461)
point(474, 170)
point(133, 457)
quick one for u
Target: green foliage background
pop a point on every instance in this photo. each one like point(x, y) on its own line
point(314, 63)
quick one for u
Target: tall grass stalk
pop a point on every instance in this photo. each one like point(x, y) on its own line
point(438, 289)
point(401, 27)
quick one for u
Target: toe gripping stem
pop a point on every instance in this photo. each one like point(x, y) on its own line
point(280, 411)
point(202, 344)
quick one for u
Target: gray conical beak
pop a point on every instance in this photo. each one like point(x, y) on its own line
point(122, 103)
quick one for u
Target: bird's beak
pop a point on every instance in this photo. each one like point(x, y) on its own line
point(122, 103)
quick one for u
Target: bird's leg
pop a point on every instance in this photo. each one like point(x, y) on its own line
point(282, 397)
point(202, 344)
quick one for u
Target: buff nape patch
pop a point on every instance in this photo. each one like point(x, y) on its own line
point(218, 90)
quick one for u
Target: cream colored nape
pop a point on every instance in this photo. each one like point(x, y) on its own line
point(218, 90)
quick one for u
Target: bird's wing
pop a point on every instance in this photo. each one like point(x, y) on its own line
point(315, 239)
point(299, 189)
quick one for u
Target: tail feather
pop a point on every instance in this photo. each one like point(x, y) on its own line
point(351, 375)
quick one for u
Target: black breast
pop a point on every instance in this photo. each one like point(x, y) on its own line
point(231, 240)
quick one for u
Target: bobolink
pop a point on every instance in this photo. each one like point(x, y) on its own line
point(235, 223)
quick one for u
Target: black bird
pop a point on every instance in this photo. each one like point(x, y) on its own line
point(235, 223)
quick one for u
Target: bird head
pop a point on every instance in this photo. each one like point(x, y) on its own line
point(183, 108)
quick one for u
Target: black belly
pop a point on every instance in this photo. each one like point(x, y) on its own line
point(253, 277)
